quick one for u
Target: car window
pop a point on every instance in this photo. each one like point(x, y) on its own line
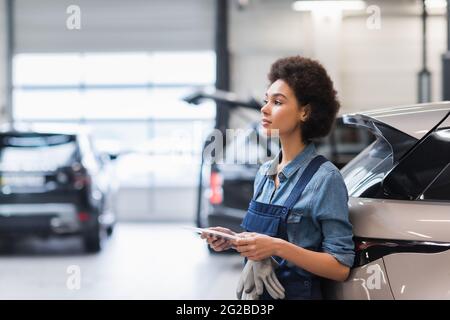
point(35, 153)
point(343, 143)
point(439, 189)
point(423, 167)
point(363, 175)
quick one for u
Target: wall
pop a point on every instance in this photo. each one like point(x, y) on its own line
point(379, 67)
point(371, 68)
point(3, 60)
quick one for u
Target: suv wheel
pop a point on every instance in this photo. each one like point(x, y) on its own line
point(93, 240)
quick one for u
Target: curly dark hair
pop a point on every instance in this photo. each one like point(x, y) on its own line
point(313, 88)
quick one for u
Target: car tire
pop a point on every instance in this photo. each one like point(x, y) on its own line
point(109, 231)
point(93, 240)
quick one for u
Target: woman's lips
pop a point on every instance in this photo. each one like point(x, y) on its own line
point(265, 122)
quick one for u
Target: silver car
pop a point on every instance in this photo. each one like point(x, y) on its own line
point(399, 190)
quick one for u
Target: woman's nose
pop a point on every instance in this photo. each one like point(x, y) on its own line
point(265, 109)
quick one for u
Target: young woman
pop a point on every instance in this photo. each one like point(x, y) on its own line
point(299, 212)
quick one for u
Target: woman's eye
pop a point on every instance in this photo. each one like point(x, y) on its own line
point(265, 101)
point(278, 103)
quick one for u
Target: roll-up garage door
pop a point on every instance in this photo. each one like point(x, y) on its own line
point(114, 25)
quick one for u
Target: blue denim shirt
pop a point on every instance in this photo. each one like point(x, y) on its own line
point(319, 220)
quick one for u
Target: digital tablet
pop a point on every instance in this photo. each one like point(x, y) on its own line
point(213, 232)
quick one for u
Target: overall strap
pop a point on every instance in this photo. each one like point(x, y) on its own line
point(301, 184)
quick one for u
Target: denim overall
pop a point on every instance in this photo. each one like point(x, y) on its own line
point(271, 220)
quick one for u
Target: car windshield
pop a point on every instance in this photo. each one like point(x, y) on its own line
point(364, 174)
point(35, 152)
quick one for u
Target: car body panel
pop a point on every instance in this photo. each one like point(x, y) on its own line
point(419, 275)
point(400, 219)
point(58, 218)
point(369, 282)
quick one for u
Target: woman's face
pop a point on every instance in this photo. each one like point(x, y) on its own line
point(281, 111)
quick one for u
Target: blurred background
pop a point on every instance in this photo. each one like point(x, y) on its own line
point(106, 106)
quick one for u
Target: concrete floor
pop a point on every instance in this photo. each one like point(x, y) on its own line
point(140, 261)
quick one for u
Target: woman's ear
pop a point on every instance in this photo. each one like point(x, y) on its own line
point(304, 112)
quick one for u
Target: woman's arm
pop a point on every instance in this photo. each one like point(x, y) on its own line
point(320, 263)
point(258, 247)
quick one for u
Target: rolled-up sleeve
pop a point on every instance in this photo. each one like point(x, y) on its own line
point(330, 210)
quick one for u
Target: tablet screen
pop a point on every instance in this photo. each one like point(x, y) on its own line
point(213, 232)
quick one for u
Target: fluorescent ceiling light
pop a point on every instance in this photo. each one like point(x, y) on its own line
point(329, 4)
point(436, 4)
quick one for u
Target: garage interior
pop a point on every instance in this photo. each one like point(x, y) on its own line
point(123, 70)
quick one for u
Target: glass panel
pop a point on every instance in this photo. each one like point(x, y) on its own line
point(116, 104)
point(47, 104)
point(440, 188)
point(131, 103)
point(167, 103)
point(183, 67)
point(419, 169)
point(363, 175)
point(35, 153)
point(116, 68)
point(47, 69)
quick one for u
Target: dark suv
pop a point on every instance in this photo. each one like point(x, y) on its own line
point(54, 184)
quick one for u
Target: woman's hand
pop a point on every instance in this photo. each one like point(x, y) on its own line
point(256, 246)
point(216, 242)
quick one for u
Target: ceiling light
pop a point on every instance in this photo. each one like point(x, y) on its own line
point(328, 4)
